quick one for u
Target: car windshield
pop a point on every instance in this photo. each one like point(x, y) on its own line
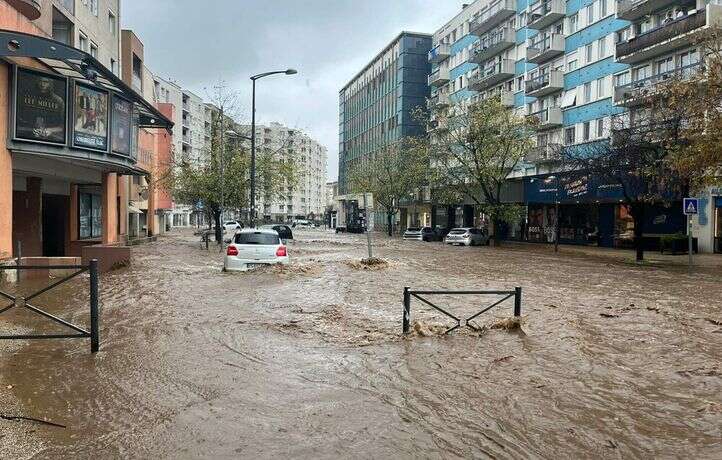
point(257, 238)
point(426, 229)
point(458, 231)
point(413, 229)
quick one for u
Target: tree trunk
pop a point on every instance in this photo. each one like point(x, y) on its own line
point(637, 211)
point(219, 229)
point(494, 230)
point(390, 223)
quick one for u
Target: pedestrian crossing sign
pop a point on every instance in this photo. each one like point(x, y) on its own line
point(690, 206)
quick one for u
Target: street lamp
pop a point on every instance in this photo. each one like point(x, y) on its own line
point(253, 137)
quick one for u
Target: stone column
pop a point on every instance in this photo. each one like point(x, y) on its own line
point(6, 176)
point(123, 195)
point(110, 208)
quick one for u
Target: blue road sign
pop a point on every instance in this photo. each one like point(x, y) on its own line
point(690, 206)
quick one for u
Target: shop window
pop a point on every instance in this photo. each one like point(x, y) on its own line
point(90, 216)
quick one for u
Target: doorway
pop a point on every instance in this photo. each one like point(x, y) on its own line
point(55, 212)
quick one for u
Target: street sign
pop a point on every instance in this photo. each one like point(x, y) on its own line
point(690, 206)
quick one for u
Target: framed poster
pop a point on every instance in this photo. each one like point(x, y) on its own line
point(121, 126)
point(41, 107)
point(90, 126)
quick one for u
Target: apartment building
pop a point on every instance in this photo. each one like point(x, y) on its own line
point(376, 107)
point(92, 26)
point(574, 65)
point(307, 198)
point(195, 125)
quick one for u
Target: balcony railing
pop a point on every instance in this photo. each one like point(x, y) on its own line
point(492, 44)
point(542, 49)
point(548, 118)
point(630, 93)
point(632, 10)
point(545, 13)
point(662, 33)
point(438, 100)
point(545, 84)
point(547, 152)
point(497, 12)
point(491, 75)
point(439, 78)
point(440, 53)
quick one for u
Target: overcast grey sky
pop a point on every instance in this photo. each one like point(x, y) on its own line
point(198, 43)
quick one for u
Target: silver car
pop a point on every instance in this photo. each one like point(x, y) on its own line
point(419, 234)
point(467, 236)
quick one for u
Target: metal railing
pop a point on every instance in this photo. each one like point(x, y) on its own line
point(539, 82)
point(663, 32)
point(460, 322)
point(648, 82)
point(24, 302)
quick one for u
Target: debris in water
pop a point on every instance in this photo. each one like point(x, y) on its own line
point(508, 324)
point(502, 359)
point(428, 330)
point(372, 263)
point(609, 315)
point(716, 322)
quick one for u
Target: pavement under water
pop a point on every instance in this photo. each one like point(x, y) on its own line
point(612, 361)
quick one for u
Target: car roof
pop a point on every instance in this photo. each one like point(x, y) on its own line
point(266, 231)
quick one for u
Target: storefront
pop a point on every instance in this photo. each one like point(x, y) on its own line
point(591, 213)
point(68, 142)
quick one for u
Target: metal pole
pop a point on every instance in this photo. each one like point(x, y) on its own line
point(368, 233)
point(689, 238)
point(407, 310)
point(94, 330)
point(19, 254)
point(517, 301)
point(223, 183)
point(253, 156)
point(556, 219)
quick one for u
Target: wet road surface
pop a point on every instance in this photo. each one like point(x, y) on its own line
point(613, 360)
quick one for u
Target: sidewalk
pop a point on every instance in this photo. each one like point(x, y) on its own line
point(621, 255)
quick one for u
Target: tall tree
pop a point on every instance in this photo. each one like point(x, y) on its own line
point(473, 148)
point(395, 173)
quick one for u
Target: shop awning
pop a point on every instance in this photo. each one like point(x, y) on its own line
point(77, 64)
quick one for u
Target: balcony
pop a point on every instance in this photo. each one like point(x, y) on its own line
point(31, 9)
point(492, 44)
point(439, 78)
point(544, 153)
point(439, 100)
point(631, 10)
point(492, 75)
point(506, 98)
point(548, 118)
point(667, 37)
point(440, 53)
point(545, 84)
point(640, 91)
point(495, 14)
point(545, 49)
point(545, 13)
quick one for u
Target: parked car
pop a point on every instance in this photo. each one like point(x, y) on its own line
point(301, 223)
point(284, 231)
point(440, 233)
point(467, 236)
point(419, 234)
point(232, 226)
point(253, 247)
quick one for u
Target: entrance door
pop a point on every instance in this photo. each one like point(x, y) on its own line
point(55, 214)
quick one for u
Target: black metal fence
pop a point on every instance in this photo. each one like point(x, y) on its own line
point(408, 294)
point(24, 302)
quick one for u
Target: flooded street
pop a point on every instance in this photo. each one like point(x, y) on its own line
point(307, 361)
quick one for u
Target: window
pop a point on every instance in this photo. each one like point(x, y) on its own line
point(94, 50)
point(640, 73)
point(83, 42)
point(587, 92)
point(587, 130)
point(89, 215)
point(603, 8)
point(600, 88)
point(569, 135)
point(94, 7)
point(600, 127)
point(572, 65)
point(602, 47)
point(590, 14)
point(665, 65)
point(621, 79)
point(573, 23)
point(111, 22)
point(589, 53)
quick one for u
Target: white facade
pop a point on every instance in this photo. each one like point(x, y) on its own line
point(307, 199)
point(193, 127)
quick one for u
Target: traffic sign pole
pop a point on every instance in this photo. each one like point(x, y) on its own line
point(689, 238)
point(690, 206)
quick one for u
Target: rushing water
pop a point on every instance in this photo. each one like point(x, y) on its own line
point(612, 361)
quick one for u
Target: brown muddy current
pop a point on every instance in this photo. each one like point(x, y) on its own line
point(613, 360)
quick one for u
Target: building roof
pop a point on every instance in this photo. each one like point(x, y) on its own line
point(380, 53)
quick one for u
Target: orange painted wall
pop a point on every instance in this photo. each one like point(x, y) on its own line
point(6, 173)
point(164, 159)
point(11, 19)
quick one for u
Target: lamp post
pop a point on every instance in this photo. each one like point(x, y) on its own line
point(253, 138)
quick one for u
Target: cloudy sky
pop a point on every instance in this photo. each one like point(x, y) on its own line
point(199, 43)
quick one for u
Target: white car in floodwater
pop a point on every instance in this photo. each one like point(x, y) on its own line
point(467, 236)
point(254, 247)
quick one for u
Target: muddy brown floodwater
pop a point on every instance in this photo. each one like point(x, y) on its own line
point(613, 360)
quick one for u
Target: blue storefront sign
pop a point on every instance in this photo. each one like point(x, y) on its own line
point(570, 189)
